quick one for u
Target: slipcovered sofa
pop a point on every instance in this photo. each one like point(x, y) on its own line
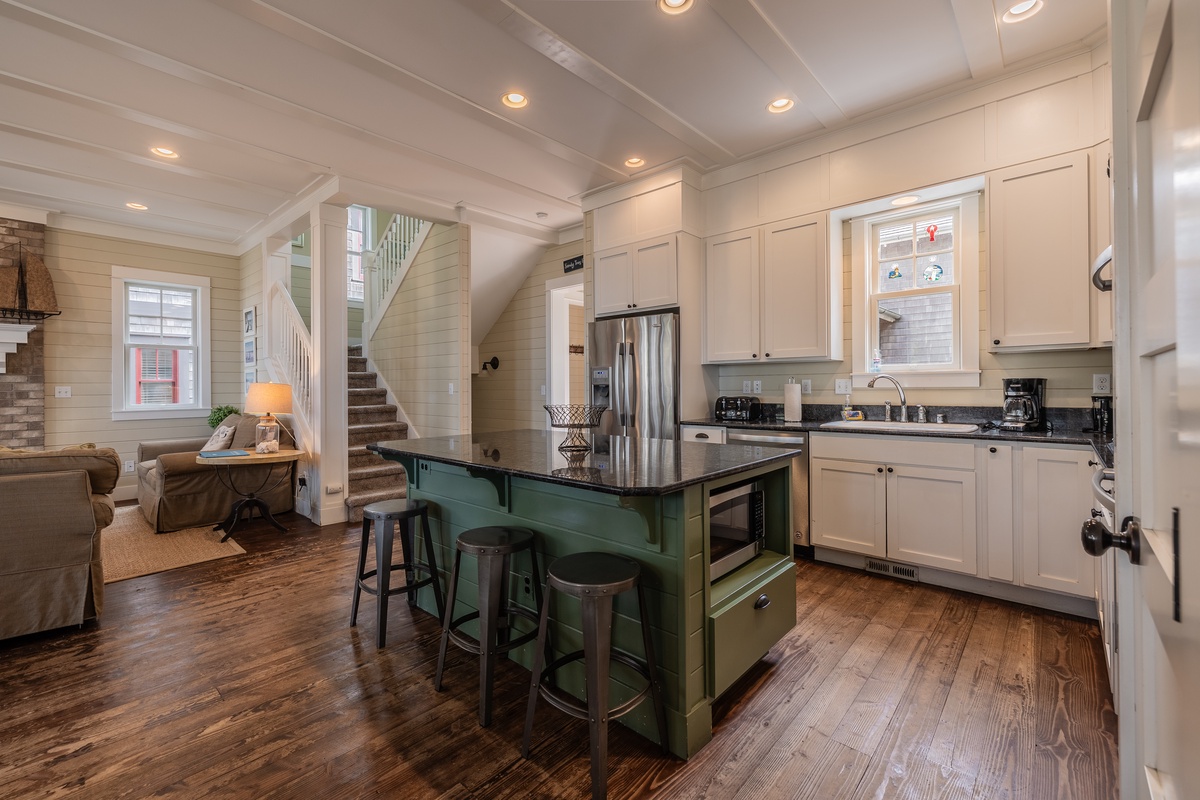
point(175, 492)
point(55, 504)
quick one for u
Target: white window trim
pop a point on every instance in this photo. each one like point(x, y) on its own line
point(967, 375)
point(121, 275)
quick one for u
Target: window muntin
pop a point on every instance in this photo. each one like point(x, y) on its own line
point(357, 223)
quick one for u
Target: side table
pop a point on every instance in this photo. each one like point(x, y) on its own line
point(227, 472)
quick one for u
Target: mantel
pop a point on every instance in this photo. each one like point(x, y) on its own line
point(12, 335)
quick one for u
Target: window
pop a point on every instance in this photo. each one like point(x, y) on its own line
point(915, 291)
point(358, 223)
point(160, 363)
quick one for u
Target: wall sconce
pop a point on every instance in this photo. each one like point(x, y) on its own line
point(494, 363)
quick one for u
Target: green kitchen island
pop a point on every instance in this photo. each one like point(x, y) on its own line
point(643, 498)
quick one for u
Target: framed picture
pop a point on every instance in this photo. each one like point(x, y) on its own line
point(250, 358)
point(249, 321)
point(250, 377)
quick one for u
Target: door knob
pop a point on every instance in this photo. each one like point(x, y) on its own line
point(1097, 538)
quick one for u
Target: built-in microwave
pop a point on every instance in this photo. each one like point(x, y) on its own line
point(735, 527)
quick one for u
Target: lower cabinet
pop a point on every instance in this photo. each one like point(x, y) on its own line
point(1056, 498)
point(749, 611)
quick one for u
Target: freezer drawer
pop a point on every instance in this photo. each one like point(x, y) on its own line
point(753, 609)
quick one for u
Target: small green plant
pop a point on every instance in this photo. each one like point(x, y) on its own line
point(220, 413)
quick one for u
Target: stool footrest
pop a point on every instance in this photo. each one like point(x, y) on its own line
point(569, 704)
point(471, 645)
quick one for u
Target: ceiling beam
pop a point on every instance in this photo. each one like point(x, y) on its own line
point(980, 36)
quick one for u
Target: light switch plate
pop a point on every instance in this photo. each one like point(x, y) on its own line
point(842, 386)
point(1101, 383)
point(745, 387)
point(805, 386)
point(758, 387)
point(62, 391)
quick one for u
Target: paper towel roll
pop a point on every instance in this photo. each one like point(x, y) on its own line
point(792, 403)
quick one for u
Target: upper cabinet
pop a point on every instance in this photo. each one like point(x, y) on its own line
point(637, 277)
point(770, 294)
point(659, 211)
point(1039, 293)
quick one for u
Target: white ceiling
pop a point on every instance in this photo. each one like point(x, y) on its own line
point(267, 100)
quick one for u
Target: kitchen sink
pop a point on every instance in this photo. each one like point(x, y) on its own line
point(901, 427)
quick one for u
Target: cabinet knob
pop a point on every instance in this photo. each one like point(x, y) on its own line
point(1093, 463)
point(754, 355)
point(995, 341)
point(879, 469)
point(635, 305)
point(991, 449)
point(762, 602)
point(629, 305)
point(891, 470)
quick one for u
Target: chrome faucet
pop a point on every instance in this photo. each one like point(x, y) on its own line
point(900, 389)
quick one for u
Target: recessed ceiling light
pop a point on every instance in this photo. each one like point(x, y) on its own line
point(514, 100)
point(781, 105)
point(634, 162)
point(674, 6)
point(137, 206)
point(907, 200)
point(164, 152)
point(542, 215)
point(1019, 12)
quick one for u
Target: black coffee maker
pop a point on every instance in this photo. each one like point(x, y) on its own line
point(1102, 414)
point(1024, 404)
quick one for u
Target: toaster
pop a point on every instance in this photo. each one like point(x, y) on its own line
point(737, 409)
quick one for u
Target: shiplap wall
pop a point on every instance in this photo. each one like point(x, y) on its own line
point(510, 398)
point(423, 343)
point(301, 292)
point(252, 297)
point(79, 342)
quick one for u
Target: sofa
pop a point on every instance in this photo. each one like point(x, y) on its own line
point(56, 502)
point(176, 492)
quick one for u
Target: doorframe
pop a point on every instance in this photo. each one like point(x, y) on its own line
point(560, 295)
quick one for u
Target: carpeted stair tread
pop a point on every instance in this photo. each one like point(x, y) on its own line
point(366, 397)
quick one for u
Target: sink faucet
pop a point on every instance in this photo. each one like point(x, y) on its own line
point(900, 389)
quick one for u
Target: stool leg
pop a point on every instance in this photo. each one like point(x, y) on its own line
point(358, 576)
point(383, 577)
point(536, 678)
point(597, 647)
point(543, 643)
point(447, 620)
point(431, 560)
point(660, 711)
point(407, 532)
point(491, 582)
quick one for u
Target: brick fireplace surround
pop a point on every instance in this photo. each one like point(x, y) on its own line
point(23, 384)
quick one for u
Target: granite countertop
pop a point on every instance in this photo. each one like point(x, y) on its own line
point(617, 464)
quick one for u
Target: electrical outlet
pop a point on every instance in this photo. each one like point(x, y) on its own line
point(62, 391)
point(746, 387)
point(129, 465)
point(805, 386)
point(841, 386)
point(335, 488)
point(1101, 383)
point(758, 387)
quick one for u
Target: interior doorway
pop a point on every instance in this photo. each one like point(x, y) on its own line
point(566, 335)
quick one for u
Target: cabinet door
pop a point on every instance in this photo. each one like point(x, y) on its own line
point(655, 273)
point(1102, 302)
point(1056, 498)
point(931, 517)
point(848, 506)
point(1039, 292)
point(731, 297)
point(996, 513)
point(612, 280)
point(795, 289)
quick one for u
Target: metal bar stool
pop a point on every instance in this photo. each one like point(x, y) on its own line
point(595, 578)
point(383, 514)
point(493, 548)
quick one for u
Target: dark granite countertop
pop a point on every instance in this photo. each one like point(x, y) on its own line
point(616, 465)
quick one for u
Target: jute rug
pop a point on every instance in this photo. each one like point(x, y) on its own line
point(129, 547)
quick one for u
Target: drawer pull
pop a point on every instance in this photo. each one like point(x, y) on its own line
point(701, 435)
point(762, 602)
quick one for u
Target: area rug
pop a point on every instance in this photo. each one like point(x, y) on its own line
point(130, 548)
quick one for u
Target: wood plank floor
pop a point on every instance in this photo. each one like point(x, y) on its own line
point(240, 678)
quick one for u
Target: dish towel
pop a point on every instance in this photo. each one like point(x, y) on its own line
point(792, 404)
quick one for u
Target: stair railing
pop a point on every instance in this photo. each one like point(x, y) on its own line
point(290, 354)
point(386, 267)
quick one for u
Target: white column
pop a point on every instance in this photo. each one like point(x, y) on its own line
point(328, 490)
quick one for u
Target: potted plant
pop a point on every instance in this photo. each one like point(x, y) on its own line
point(220, 413)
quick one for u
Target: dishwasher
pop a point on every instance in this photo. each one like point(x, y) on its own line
point(790, 439)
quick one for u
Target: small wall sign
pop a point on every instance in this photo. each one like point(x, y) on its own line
point(572, 264)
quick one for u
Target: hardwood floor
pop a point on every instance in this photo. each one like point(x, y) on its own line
point(240, 678)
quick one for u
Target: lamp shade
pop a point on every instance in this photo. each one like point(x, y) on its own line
point(269, 398)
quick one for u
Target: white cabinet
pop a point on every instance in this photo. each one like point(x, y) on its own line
point(652, 213)
point(1056, 498)
point(637, 277)
point(706, 434)
point(905, 499)
point(1039, 294)
point(995, 503)
point(769, 294)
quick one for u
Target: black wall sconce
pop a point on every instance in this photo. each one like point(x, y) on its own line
point(494, 363)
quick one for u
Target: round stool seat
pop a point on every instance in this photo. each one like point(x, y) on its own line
point(394, 509)
point(593, 574)
point(494, 540)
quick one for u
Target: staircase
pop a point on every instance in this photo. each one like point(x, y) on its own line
point(371, 419)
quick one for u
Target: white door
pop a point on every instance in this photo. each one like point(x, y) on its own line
point(731, 297)
point(849, 506)
point(655, 274)
point(1156, 156)
point(931, 517)
point(795, 289)
point(613, 281)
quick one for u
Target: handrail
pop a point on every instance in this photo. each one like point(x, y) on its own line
point(389, 262)
point(290, 348)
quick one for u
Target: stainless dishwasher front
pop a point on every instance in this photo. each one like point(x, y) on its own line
point(790, 439)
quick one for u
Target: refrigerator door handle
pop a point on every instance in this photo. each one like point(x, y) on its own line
point(618, 388)
point(630, 372)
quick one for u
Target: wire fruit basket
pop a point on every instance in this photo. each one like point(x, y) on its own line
point(576, 419)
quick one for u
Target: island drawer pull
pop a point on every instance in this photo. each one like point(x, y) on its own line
point(762, 602)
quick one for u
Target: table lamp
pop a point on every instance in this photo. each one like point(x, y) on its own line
point(268, 399)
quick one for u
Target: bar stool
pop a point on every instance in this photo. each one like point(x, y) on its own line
point(595, 578)
point(493, 548)
point(383, 514)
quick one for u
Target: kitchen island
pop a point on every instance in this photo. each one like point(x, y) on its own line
point(643, 498)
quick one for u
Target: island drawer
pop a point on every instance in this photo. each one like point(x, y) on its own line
point(745, 624)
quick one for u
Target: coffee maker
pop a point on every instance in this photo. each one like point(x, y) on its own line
point(1024, 404)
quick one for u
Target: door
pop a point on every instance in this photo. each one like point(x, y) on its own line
point(931, 517)
point(1156, 156)
point(651, 375)
point(612, 281)
point(655, 274)
point(1056, 495)
point(731, 297)
point(605, 341)
point(795, 289)
point(849, 506)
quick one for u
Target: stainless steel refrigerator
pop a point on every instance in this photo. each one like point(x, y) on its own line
point(633, 368)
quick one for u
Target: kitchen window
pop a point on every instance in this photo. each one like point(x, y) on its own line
point(160, 352)
point(916, 293)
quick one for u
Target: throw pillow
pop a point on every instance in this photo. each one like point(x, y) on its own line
point(220, 439)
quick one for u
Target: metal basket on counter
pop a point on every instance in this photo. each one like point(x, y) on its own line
point(576, 419)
